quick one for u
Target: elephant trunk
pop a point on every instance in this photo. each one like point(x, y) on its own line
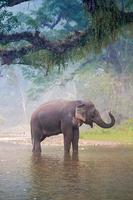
point(102, 124)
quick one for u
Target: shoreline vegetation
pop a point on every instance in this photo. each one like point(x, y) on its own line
point(122, 133)
point(117, 136)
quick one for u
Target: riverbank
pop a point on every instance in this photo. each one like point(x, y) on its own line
point(116, 136)
point(122, 133)
point(56, 141)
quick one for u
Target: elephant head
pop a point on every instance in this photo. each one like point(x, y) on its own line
point(88, 114)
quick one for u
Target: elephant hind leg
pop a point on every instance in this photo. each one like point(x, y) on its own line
point(36, 139)
point(36, 147)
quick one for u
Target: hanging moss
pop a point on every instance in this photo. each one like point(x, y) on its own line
point(105, 20)
point(104, 28)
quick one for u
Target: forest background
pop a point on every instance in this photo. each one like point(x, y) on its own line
point(71, 49)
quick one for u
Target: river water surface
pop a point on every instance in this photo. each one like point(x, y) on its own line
point(99, 173)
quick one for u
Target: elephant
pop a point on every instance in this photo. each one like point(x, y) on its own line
point(64, 116)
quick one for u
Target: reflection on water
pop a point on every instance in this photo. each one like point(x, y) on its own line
point(99, 174)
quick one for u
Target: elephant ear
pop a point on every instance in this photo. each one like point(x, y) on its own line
point(80, 112)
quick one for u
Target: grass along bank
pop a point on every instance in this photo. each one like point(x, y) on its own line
point(122, 133)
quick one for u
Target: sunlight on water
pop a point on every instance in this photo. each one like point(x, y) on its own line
point(99, 173)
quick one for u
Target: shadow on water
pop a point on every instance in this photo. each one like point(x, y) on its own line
point(98, 174)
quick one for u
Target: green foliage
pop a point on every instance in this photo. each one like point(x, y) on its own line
point(70, 10)
point(97, 77)
point(105, 22)
point(128, 5)
point(45, 60)
point(122, 133)
point(103, 28)
point(68, 14)
point(3, 2)
point(7, 21)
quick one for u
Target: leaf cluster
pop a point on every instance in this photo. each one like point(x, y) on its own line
point(7, 21)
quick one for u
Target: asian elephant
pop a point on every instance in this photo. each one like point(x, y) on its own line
point(62, 116)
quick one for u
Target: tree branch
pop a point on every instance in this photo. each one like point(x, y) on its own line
point(10, 3)
point(52, 25)
point(8, 56)
point(37, 43)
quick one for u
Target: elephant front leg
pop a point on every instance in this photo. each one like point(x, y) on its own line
point(67, 143)
point(68, 134)
point(75, 140)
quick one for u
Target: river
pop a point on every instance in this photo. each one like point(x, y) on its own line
point(99, 173)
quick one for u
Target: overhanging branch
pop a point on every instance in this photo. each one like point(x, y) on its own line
point(10, 3)
point(37, 42)
point(8, 56)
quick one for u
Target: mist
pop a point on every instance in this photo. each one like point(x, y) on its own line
point(108, 90)
point(103, 76)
